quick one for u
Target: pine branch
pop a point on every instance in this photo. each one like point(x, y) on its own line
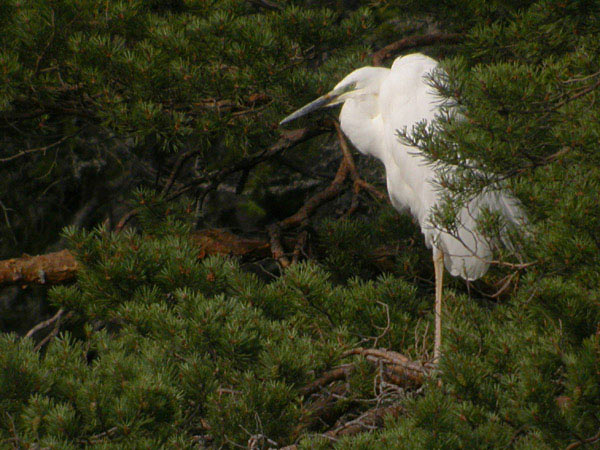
point(346, 168)
point(288, 140)
point(61, 267)
point(175, 171)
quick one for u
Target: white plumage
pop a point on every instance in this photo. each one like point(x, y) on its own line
point(377, 103)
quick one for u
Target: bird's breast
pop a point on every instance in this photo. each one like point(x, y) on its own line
point(364, 130)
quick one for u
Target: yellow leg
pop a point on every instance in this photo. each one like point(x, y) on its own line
point(438, 266)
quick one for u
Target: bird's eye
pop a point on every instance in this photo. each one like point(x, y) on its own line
point(346, 88)
point(350, 87)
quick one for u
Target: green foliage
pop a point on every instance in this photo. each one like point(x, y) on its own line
point(95, 98)
point(365, 246)
point(177, 340)
point(166, 350)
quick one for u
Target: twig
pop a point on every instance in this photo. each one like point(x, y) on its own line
point(505, 284)
point(370, 420)
point(414, 41)
point(301, 170)
point(6, 218)
point(126, 218)
point(37, 149)
point(288, 140)
point(581, 442)
point(359, 183)
point(323, 410)
point(182, 158)
point(579, 94)
point(13, 430)
point(329, 193)
point(45, 49)
point(346, 167)
point(50, 336)
point(386, 329)
point(97, 437)
point(577, 80)
point(45, 323)
point(44, 341)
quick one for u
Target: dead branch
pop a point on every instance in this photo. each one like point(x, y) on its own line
point(37, 149)
point(221, 242)
point(98, 438)
point(299, 247)
point(402, 369)
point(52, 268)
point(288, 140)
point(126, 218)
point(359, 183)
point(53, 333)
point(370, 420)
point(300, 218)
point(45, 323)
point(346, 168)
point(61, 267)
point(175, 171)
point(322, 410)
point(337, 374)
point(414, 41)
point(277, 249)
point(333, 190)
point(397, 368)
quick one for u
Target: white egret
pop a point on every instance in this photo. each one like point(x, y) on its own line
point(377, 102)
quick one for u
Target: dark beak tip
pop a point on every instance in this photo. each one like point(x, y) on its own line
point(306, 109)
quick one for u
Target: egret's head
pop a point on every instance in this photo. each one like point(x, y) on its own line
point(363, 81)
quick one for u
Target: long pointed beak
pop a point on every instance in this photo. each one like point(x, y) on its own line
point(328, 99)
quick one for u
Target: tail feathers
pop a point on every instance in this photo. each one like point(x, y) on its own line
point(511, 210)
point(467, 252)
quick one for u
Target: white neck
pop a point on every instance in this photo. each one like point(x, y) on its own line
point(361, 122)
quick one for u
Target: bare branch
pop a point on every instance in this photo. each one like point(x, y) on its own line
point(399, 365)
point(51, 268)
point(337, 374)
point(45, 323)
point(414, 41)
point(369, 420)
point(37, 149)
point(288, 140)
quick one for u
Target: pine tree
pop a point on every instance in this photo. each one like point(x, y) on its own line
point(154, 346)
